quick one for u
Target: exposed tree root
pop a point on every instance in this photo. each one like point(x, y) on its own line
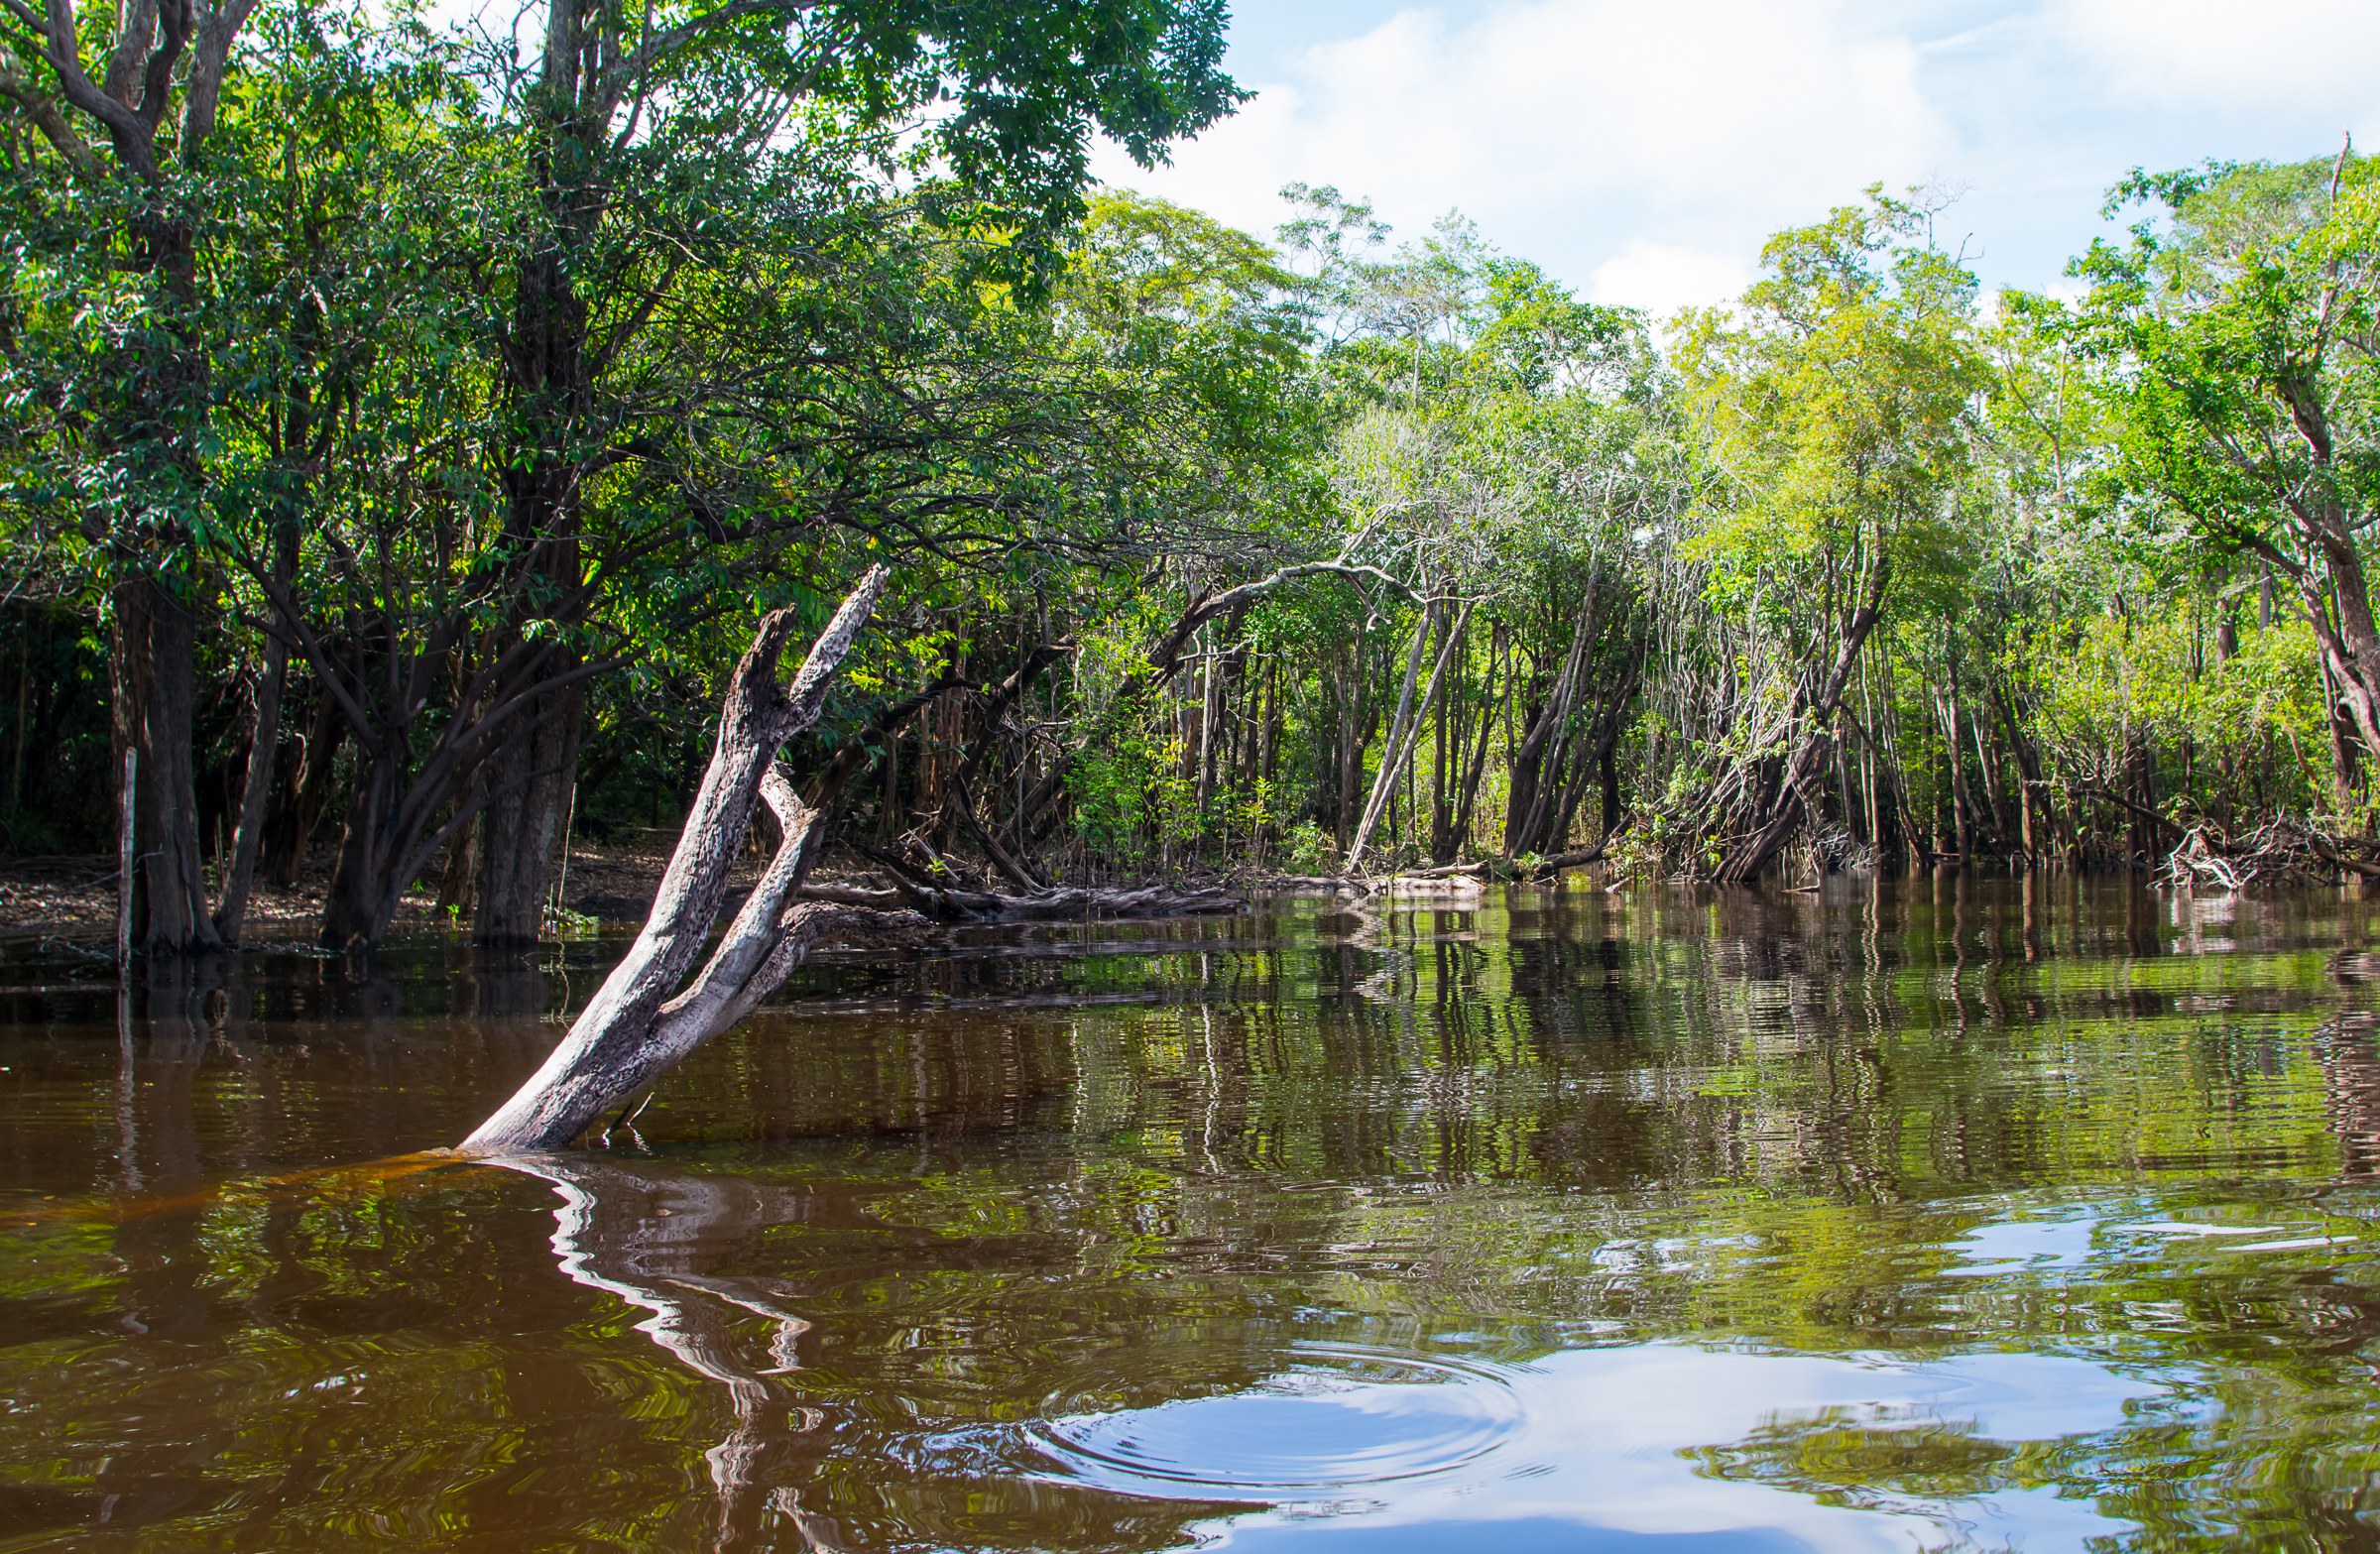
point(2278, 852)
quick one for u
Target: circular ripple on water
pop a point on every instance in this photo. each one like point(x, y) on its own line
point(1336, 1420)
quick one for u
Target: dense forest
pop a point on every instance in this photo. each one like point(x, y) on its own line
point(407, 425)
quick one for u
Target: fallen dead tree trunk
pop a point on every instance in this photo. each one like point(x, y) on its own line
point(640, 1024)
point(952, 904)
point(1444, 879)
point(1515, 869)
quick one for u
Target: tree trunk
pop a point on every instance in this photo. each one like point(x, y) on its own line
point(458, 879)
point(304, 793)
point(1597, 760)
point(156, 677)
point(163, 368)
point(1527, 801)
point(362, 896)
point(634, 1030)
point(529, 779)
point(2140, 776)
point(1442, 807)
point(1392, 754)
point(231, 911)
point(1491, 707)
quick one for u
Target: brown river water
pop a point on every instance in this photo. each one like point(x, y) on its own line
point(1918, 1215)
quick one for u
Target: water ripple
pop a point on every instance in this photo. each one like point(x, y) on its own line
point(1339, 1419)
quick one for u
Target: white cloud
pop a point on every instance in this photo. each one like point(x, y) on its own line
point(1697, 127)
point(2225, 54)
point(1642, 153)
point(1662, 277)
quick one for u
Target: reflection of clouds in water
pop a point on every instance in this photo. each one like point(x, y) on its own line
point(2016, 1246)
point(1595, 1447)
point(1617, 1442)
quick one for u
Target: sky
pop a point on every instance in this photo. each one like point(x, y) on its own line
point(1641, 152)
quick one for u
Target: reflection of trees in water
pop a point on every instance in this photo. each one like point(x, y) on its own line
point(861, 1428)
point(2189, 1487)
point(1887, 1459)
point(652, 1239)
point(2348, 1049)
point(1869, 1044)
point(1763, 1117)
point(167, 1019)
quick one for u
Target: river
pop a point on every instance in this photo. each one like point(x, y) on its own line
point(1908, 1215)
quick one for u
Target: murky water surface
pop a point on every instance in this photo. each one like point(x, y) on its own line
point(1968, 1215)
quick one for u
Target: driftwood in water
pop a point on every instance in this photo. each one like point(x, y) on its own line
point(640, 1024)
point(2280, 852)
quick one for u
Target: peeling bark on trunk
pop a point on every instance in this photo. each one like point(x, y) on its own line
point(635, 1028)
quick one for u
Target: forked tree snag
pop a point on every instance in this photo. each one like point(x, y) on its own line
point(639, 1023)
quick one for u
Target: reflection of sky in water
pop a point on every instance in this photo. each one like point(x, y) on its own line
point(1600, 1448)
point(2049, 1243)
point(2011, 1246)
point(1714, 1161)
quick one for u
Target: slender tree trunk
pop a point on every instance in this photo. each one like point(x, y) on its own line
point(306, 791)
point(2343, 755)
point(1492, 708)
point(264, 757)
point(1527, 806)
point(2147, 842)
point(1962, 801)
point(231, 911)
point(1393, 753)
point(16, 764)
point(362, 898)
point(458, 879)
point(1442, 814)
point(1597, 754)
point(1781, 812)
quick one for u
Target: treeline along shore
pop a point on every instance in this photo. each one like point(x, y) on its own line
point(407, 429)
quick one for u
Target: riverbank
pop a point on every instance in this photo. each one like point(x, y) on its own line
point(73, 895)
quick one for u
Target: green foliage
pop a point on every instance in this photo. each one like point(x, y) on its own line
point(1837, 408)
point(485, 374)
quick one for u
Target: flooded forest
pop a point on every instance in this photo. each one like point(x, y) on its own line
point(734, 814)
